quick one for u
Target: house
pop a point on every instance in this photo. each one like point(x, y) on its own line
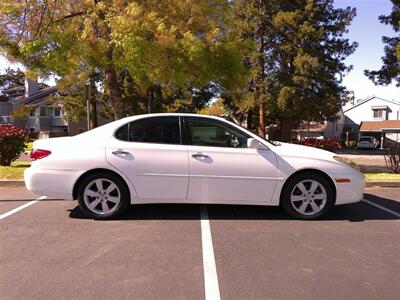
point(373, 116)
point(325, 129)
point(44, 115)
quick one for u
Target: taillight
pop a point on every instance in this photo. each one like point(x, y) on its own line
point(39, 153)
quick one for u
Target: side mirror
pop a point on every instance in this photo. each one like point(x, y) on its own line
point(255, 144)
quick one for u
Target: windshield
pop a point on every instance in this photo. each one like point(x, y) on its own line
point(365, 139)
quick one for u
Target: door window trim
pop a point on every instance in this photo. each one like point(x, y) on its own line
point(186, 132)
point(147, 118)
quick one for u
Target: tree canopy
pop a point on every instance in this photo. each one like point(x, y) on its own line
point(390, 70)
point(298, 60)
point(11, 78)
point(279, 60)
point(177, 46)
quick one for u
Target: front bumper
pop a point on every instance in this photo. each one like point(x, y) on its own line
point(349, 192)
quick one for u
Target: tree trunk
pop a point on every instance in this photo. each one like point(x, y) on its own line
point(113, 87)
point(261, 128)
point(249, 120)
point(286, 129)
point(93, 102)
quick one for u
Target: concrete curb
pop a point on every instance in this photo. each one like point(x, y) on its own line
point(382, 184)
point(12, 183)
point(20, 183)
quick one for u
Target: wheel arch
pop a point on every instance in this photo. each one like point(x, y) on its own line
point(78, 182)
point(309, 170)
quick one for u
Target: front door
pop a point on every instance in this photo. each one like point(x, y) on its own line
point(222, 168)
point(149, 152)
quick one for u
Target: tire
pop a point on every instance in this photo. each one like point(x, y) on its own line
point(103, 196)
point(298, 200)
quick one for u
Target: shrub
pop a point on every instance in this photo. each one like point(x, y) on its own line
point(392, 157)
point(12, 143)
point(326, 144)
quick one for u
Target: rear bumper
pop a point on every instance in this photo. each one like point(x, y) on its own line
point(51, 183)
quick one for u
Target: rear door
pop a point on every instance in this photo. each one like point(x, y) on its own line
point(150, 153)
point(222, 168)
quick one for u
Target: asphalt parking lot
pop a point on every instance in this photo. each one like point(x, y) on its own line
point(48, 249)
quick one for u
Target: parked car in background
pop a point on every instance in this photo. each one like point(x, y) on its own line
point(186, 158)
point(367, 142)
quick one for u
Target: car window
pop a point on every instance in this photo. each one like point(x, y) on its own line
point(123, 133)
point(365, 139)
point(204, 132)
point(160, 130)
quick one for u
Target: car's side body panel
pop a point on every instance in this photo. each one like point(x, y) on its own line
point(230, 174)
point(158, 171)
point(346, 192)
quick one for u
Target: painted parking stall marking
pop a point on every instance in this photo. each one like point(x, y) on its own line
point(382, 208)
point(15, 210)
point(210, 270)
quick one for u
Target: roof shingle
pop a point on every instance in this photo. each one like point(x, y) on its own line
point(379, 125)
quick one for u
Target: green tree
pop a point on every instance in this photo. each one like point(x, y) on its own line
point(390, 70)
point(297, 59)
point(177, 45)
point(11, 78)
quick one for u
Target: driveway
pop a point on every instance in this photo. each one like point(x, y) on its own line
point(50, 250)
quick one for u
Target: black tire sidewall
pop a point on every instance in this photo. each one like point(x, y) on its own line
point(289, 186)
point(124, 193)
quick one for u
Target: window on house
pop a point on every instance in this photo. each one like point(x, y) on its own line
point(33, 112)
point(379, 113)
point(45, 111)
point(57, 111)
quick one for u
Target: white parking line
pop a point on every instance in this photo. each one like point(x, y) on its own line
point(382, 208)
point(211, 286)
point(13, 211)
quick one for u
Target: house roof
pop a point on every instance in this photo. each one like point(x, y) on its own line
point(38, 97)
point(379, 126)
point(368, 99)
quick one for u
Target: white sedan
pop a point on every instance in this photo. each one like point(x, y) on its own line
point(187, 158)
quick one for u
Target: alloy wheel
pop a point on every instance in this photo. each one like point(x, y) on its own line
point(308, 197)
point(102, 196)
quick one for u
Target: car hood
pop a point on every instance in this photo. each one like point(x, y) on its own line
point(294, 150)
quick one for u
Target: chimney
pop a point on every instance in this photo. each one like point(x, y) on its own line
point(31, 86)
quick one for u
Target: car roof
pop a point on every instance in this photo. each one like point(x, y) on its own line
point(136, 117)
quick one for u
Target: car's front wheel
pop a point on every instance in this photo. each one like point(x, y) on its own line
point(307, 196)
point(103, 196)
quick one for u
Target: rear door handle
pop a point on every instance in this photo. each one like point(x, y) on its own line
point(120, 152)
point(200, 156)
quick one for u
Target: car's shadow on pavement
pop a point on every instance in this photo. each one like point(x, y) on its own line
point(356, 212)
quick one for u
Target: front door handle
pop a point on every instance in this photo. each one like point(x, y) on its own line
point(200, 156)
point(120, 152)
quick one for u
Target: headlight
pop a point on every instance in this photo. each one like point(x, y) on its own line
point(348, 162)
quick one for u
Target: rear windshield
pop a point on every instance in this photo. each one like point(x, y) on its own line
point(365, 139)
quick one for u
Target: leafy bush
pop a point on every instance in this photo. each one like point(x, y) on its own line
point(392, 157)
point(326, 144)
point(12, 143)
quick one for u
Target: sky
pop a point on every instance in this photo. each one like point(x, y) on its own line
point(367, 31)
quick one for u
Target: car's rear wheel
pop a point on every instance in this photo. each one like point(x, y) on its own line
point(103, 196)
point(307, 196)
